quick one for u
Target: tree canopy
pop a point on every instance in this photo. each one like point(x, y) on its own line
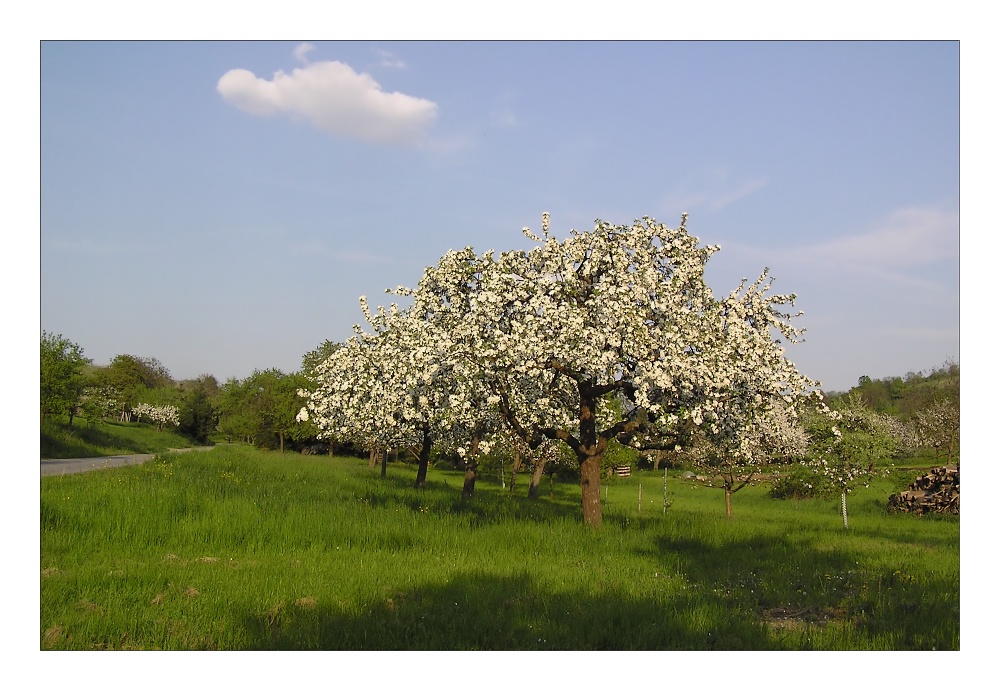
point(62, 367)
point(546, 339)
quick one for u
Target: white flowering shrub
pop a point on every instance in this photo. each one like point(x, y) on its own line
point(160, 415)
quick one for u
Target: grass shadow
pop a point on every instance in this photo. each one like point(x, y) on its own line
point(488, 506)
point(796, 587)
point(480, 611)
point(59, 442)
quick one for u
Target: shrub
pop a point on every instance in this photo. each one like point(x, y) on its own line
point(799, 482)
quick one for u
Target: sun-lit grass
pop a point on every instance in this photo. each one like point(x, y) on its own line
point(243, 550)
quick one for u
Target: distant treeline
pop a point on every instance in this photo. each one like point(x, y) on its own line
point(905, 396)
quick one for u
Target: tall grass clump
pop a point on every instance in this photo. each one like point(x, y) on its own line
point(237, 549)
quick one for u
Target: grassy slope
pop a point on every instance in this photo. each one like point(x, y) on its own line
point(237, 549)
point(85, 440)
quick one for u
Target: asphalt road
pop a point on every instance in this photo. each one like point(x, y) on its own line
point(65, 466)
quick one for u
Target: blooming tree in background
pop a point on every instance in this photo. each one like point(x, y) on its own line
point(734, 457)
point(846, 453)
point(400, 387)
point(352, 398)
point(159, 414)
point(937, 428)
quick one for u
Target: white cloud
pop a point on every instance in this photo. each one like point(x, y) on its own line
point(389, 61)
point(301, 50)
point(334, 98)
point(907, 238)
point(503, 117)
point(896, 249)
point(714, 192)
point(355, 257)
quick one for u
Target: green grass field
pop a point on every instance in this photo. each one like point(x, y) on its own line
point(236, 549)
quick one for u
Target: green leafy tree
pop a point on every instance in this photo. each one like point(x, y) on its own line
point(133, 378)
point(322, 352)
point(262, 408)
point(198, 413)
point(62, 380)
point(236, 416)
point(846, 454)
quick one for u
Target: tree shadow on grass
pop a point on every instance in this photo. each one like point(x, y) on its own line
point(57, 442)
point(480, 611)
point(483, 508)
point(792, 586)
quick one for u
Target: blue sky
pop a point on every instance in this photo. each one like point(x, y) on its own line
point(220, 206)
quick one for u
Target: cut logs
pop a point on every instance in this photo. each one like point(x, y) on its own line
point(934, 492)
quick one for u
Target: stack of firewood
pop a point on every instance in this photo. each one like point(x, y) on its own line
point(935, 492)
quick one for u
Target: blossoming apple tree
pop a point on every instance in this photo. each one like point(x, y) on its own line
point(750, 413)
point(159, 414)
point(618, 312)
point(610, 334)
point(400, 387)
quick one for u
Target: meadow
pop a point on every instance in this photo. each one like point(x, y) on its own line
point(237, 549)
point(85, 439)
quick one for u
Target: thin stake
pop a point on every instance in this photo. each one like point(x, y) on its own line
point(664, 490)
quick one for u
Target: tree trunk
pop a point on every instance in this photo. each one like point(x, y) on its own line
point(515, 466)
point(729, 503)
point(471, 467)
point(424, 459)
point(590, 485)
point(843, 506)
point(385, 460)
point(281, 442)
point(536, 479)
point(372, 459)
point(590, 453)
point(469, 488)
